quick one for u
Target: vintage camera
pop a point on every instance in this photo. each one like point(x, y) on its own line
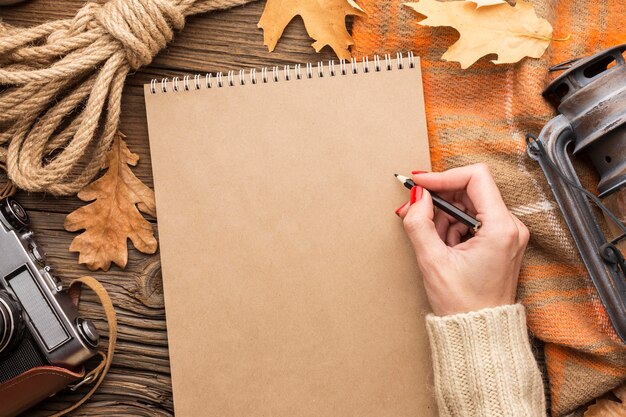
point(39, 323)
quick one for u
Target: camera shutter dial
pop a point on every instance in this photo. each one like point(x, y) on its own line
point(14, 213)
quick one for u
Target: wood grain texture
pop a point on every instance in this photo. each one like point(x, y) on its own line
point(139, 381)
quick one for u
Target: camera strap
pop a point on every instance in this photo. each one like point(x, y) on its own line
point(96, 375)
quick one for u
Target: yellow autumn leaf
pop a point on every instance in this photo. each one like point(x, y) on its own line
point(511, 32)
point(608, 408)
point(324, 20)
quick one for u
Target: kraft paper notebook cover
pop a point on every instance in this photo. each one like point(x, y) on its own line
point(290, 286)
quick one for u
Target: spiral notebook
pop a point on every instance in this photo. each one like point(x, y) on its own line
point(290, 287)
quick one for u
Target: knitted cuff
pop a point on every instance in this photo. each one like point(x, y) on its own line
point(483, 364)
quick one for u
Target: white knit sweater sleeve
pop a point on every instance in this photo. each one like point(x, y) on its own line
point(483, 364)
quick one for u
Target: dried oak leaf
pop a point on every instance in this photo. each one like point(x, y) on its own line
point(114, 216)
point(511, 32)
point(324, 20)
point(608, 408)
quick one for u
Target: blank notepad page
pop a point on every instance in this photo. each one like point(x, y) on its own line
point(290, 286)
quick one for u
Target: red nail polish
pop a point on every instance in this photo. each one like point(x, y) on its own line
point(400, 208)
point(416, 193)
point(419, 192)
point(418, 172)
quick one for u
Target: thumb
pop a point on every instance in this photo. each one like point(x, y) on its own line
point(419, 226)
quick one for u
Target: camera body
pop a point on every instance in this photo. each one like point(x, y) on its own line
point(39, 323)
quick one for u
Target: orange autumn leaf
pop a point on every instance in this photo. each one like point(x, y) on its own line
point(608, 408)
point(324, 20)
point(114, 215)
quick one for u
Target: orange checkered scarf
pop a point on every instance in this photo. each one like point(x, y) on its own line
point(481, 115)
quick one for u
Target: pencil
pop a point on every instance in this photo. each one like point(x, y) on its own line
point(445, 206)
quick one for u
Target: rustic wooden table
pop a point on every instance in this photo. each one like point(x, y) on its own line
point(139, 381)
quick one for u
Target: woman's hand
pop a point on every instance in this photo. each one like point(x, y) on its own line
point(465, 275)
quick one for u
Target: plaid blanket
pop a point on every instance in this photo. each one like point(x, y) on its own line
point(481, 115)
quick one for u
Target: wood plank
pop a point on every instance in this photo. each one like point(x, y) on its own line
point(139, 383)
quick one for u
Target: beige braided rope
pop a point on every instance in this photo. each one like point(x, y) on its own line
point(8, 188)
point(61, 84)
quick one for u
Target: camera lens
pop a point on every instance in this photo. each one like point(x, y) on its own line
point(14, 213)
point(11, 324)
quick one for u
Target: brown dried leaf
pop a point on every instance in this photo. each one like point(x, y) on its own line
point(324, 20)
point(113, 217)
point(608, 408)
point(511, 32)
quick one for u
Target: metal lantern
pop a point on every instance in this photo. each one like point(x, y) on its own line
point(591, 100)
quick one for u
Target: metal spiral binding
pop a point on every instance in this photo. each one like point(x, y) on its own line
point(288, 73)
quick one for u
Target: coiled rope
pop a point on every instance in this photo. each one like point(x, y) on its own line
point(7, 188)
point(61, 85)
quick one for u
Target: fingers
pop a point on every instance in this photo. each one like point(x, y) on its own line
point(455, 234)
point(523, 234)
point(459, 199)
point(442, 224)
point(477, 182)
point(416, 194)
point(403, 210)
point(449, 229)
point(419, 225)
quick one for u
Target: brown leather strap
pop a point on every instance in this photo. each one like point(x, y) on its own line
point(22, 392)
point(99, 372)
